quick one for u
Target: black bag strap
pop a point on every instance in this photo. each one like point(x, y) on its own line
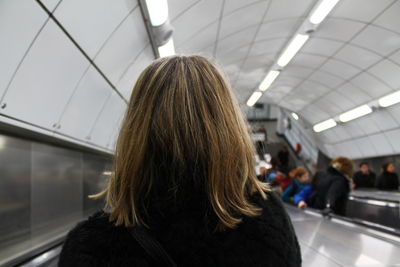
point(151, 246)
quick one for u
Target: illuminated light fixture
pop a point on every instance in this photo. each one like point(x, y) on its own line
point(158, 11)
point(292, 49)
point(390, 99)
point(295, 116)
point(167, 49)
point(325, 125)
point(268, 80)
point(322, 11)
point(254, 98)
point(355, 113)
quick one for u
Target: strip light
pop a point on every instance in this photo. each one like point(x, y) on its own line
point(254, 98)
point(292, 49)
point(355, 113)
point(168, 49)
point(268, 80)
point(325, 125)
point(322, 11)
point(390, 99)
point(295, 116)
point(158, 11)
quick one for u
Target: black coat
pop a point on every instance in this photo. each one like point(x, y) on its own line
point(387, 181)
point(267, 240)
point(362, 180)
point(331, 190)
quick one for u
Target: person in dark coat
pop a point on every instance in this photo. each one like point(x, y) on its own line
point(332, 187)
point(184, 177)
point(364, 178)
point(388, 180)
point(283, 156)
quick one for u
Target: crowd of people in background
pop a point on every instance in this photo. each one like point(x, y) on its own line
point(327, 190)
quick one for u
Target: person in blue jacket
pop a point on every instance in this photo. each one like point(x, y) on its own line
point(299, 184)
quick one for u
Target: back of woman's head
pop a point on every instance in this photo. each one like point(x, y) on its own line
point(183, 130)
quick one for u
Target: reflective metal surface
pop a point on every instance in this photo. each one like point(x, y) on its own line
point(43, 193)
point(337, 243)
point(56, 187)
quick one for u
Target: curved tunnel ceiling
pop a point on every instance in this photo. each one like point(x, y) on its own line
point(72, 76)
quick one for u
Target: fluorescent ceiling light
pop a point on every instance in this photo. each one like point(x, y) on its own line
point(322, 11)
point(295, 116)
point(268, 80)
point(292, 49)
point(158, 11)
point(389, 100)
point(355, 113)
point(254, 98)
point(168, 49)
point(325, 125)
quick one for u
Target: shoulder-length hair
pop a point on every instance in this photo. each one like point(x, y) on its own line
point(183, 124)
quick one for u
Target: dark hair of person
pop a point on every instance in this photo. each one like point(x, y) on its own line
point(363, 163)
point(386, 165)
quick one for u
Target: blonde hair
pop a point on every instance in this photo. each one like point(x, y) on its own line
point(183, 123)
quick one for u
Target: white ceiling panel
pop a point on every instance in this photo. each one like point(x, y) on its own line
point(299, 71)
point(260, 61)
point(270, 46)
point(357, 56)
point(279, 9)
point(366, 10)
point(177, 8)
point(326, 79)
point(201, 42)
point(388, 72)
point(46, 79)
point(379, 40)
point(232, 6)
point(394, 139)
point(356, 95)
point(396, 57)
point(341, 100)
point(390, 18)
point(199, 17)
point(383, 119)
point(123, 47)
point(277, 28)
point(308, 60)
point(328, 106)
point(249, 15)
point(130, 75)
point(20, 21)
point(371, 85)
point(354, 128)
point(367, 125)
point(341, 69)
point(50, 4)
point(381, 144)
point(320, 46)
point(365, 146)
point(90, 96)
point(110, 115)
point(339, 29)
point(91, 22)
point(235, 43)
point(394, 112)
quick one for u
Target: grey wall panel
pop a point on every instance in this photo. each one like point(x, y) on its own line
point(95, 176)
point(56, 193)
point(14, 190)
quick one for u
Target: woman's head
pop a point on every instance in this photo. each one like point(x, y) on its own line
point(343, 165)
point(183, 130)
point(388, 167)
point(301, 174)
